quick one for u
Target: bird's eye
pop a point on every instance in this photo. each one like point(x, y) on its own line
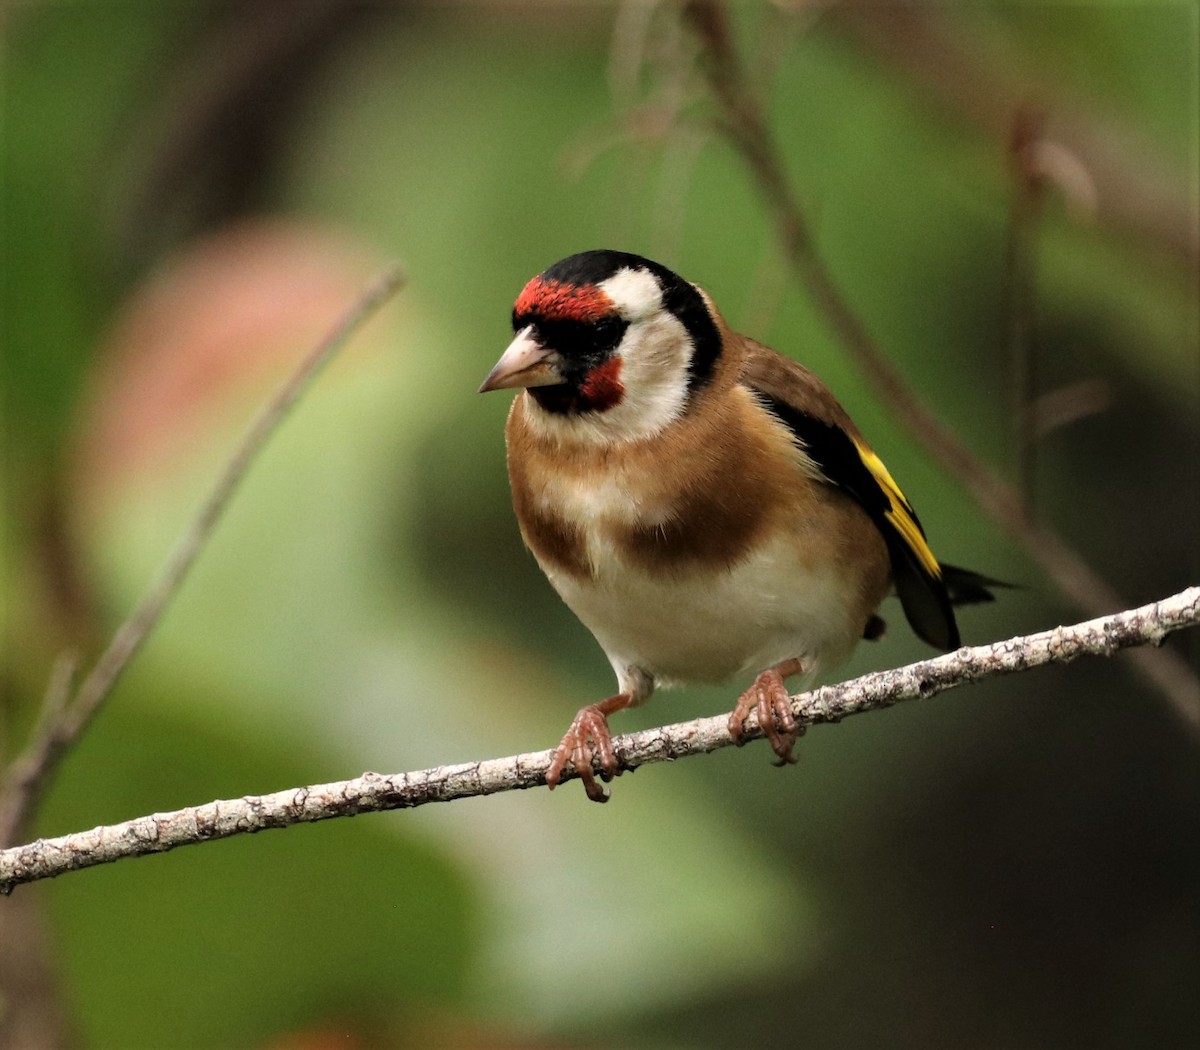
point(606, 333)
point(584, 343)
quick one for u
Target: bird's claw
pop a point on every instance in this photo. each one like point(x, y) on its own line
point(768, 698)
point(587, 741)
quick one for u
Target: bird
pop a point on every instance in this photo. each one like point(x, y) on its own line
point(701, 502)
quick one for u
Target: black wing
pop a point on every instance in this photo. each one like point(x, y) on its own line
point(806, 407)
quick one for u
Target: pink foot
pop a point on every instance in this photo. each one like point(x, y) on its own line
point(768, 698)
point(586, 741)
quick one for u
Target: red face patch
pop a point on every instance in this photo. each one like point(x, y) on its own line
point(555, 301)
point(602, 388)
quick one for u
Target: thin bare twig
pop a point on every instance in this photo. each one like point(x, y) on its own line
point(58, 729)
point(744, 124)
point(160, 832)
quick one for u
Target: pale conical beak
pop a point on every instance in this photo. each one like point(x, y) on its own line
point(525, 363)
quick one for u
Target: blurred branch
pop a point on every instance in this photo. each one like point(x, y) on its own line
point(160, 832)
point(741, 119)
point(32, 1014)
point(1034, 166)
point(1117, 176)
point(219, 111)
point(64, 715)
point(1028, 194)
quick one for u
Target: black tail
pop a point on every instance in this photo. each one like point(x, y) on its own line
point(969, 588)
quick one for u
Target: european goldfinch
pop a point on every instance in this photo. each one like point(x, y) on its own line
point(702, 503)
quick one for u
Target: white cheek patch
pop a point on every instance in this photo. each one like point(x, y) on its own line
point(654, 357)
point(654, 362)
point(635, 293)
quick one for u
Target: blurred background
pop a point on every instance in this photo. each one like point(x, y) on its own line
point(192, 193)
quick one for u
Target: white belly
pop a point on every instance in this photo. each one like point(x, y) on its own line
point(708, 627)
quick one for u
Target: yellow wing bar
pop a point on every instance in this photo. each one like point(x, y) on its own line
point(900, 513)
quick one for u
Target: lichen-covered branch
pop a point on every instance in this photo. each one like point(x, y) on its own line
point(160, 832)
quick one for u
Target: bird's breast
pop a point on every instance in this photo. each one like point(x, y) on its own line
point(710, 624)
point(613, 521)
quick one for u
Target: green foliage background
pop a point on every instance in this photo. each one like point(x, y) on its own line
point(1015, 866)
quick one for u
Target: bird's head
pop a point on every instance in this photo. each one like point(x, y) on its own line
point(609, 345)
